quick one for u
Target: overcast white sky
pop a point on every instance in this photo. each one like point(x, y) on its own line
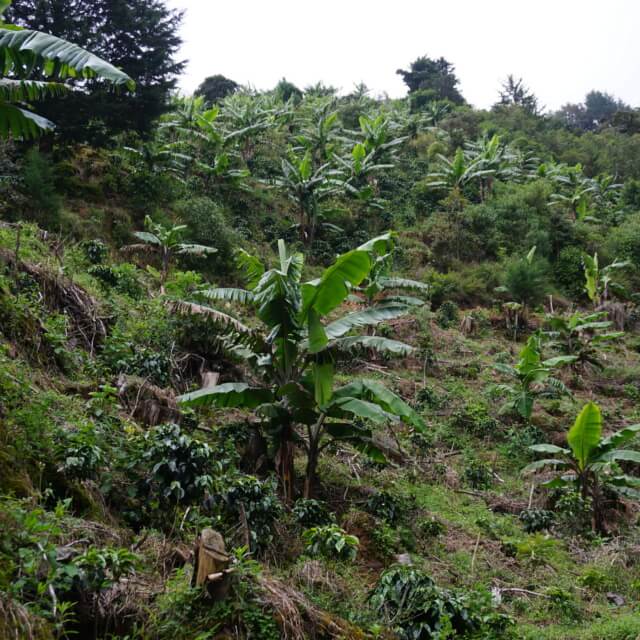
point(562, 48)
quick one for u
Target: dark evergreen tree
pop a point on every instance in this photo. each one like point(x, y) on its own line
point(516, 93)
point(138, 36)
point(436, 78)
point(215, 88)
point(598, 109)
point(286, 90)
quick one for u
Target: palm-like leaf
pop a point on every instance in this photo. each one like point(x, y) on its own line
point(230, 394)
point(229, 294)
point(374, 343)
point(21, 123)
point(191, 308)
point(584, 435)
point(366, 317)
point(23, 52)
point(29, 90)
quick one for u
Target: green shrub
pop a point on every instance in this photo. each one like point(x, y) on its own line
point(208, 224)
point(385, 506)
point(474, 418)
point(95, 251)
point(178, 468)
point(39, 187)
point(409, 601)
point(79, 452)
point(310, 513)
point(569, 272)
point(330, 541)
point(123, 278)
point(431, 527)
point(239, 497)
point(527, 281)
point(534, 520)
point(478, 475)
point(448, 314)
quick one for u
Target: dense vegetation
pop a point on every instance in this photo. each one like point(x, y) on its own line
point(387, 349)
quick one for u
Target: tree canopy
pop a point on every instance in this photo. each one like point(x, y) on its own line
point(138, 36)
point(435, 77)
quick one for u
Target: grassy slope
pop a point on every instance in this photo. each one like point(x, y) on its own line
point(471, 551)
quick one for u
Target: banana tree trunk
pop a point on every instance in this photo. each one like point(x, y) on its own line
point(285, 467)
point(311, 477)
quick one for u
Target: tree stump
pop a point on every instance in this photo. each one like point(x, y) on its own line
point(211, 569)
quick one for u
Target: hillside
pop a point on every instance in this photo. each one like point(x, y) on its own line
point(290, 364)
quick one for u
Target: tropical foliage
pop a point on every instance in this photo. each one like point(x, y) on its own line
point(592, 462)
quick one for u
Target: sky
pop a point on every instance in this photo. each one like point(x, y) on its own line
point(561, 48)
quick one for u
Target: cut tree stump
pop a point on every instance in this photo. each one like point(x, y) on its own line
point(212, 562)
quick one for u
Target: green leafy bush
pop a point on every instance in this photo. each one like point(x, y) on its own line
point(474, 418)
point(95, 251)
point(478, 474)
point(245, 497)
point(448, 314)
point(310, 513)
point(536, 519)
point(385, 506)
point(123, 278)
point(330, 541)
point(178, 467)
point(410, 602)
point(39, 187)
point(526, 281)
point(80, 454)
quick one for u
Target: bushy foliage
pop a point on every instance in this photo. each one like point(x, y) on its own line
point(178, 468)
point(330, 541)
point(417, 609)
point(309, 512)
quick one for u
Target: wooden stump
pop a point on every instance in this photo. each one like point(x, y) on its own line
point(211, 569)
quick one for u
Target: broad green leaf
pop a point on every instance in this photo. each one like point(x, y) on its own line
point(615, 455)
point(252, 267)
point(325, 294)
point(366, 317)
point(548, 448)
point(584, 435)
point(188, 308)
point(146, 236)
point(31, 50)
point(620, 437)
point(540, 464)
point(323, 381)
point(229, 294)
point(20, 123)
point(230, 394)
point(374, 391)
point(318, 338)
point(404, 283)
point(559, 361)
point(362, 409)
point(346, 430)
point(375, 343)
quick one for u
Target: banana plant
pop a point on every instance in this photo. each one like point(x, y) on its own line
point(167, 243)
point(381, 289)
point(489, 155)
point(454, 174)
point(532, 378)
point(320, 132)
point(307, 187)
point(590, 464)
point(24, 53)
point(581, 335)
point(599, 282)
point(293, 354)
point(377, 135)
